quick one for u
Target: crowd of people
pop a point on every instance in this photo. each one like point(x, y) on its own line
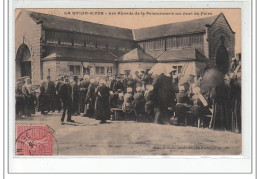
point(160, 99)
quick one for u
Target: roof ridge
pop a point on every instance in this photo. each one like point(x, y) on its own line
point(181, 22)
point(27, 11)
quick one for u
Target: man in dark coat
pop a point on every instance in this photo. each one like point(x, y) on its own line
point(58, 100)
point(90, 99)
point(65, 93)
point(43, 106)
point(83, 88)
point(220, 95)
point(102, 109)
point(235, 97)
point(163, 89)
point(28, 97)
point(182, 106)
point(20, 102)
point(113, 82)
point(129, 83)
point(51, 90)
point(75, 96)
point(118, 85)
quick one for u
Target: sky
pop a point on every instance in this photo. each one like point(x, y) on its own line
point(139, 18)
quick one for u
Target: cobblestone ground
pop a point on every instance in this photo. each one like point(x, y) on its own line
point(87, 137)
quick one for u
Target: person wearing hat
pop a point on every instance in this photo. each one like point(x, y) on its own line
point(43, 106)
point(113, 80)
point(102, 109)
point(65, 93)
point(163, 89)
point(129, 83)
point(83, 88)
point(19, 101)
point(51, 90)
point(58, 101)
point(28, 96)
point(75, 96)
point(118, 84)
point(90, 99)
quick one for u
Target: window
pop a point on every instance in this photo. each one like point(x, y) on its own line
point(149, 46)
point(171, 42)
point(75, 70)
point(78, 39)
point(159, 44)
point(49, 72)
point(129, 46)
point(90, 41)
point(65, 38)
point(121, 45)
point(72, 69)
point(178, 68)
point(101, 43)
point(51, 37)
point(111, 44)
point(100, 70)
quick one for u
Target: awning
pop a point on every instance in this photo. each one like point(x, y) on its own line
point(81, 54)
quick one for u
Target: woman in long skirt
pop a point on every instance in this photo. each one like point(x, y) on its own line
point(102, 110)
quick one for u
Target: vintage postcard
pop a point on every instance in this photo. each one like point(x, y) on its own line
point(124, 82)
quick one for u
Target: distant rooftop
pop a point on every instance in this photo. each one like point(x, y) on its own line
point(177, 28)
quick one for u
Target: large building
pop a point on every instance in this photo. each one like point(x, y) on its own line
point(48, 45)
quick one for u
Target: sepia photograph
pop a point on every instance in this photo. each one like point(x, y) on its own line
point(127, 82)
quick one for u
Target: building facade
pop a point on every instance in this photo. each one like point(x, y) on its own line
point(48, 45)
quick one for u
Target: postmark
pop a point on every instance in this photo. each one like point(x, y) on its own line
point(35, 140)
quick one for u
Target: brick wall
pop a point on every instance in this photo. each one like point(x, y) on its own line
point(218, 29)
point(28, 32)
point(49, 69)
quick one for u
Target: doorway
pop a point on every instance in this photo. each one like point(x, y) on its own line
point(23, 62)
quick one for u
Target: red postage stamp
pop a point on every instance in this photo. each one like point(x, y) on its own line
point(34, 140)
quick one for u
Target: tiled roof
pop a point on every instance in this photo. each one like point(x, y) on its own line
point(178, 28)
point(73, 54)
point(137, 55)
point(155, 53)
point(74, 25)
